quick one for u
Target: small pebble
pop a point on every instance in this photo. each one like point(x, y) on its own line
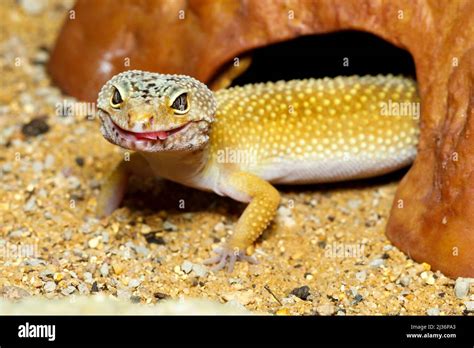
point(104, 270)
point(69, 290)
point(433, 311)
point(361, 276)
point(46, 275)
point(88, 277)
point(142, 250)
point(283, 311)
point(16, 233)
point(73, 182)
point(133, 283)
point(219, 227)
point(41, 57)
point(326, 309)
point(187, 266)
point(117, 267)
point(469, 306)
point(301, 292)
point(427, 277)
point(168, 226)
point(153, 239)
point(49, 161)
point(405, 280)
point(35, 127)
point(30, 205)
point(94, 287)
point(354, 203)
point(86, 228)
point(377, 263)
point(284, 214)
point(7, 168)
point(160, 296)
point(357, 298)
point(93, 243)
point(94, 184)
point(79, 161)
point(145, 229)
point(58, 276)
point(461, 288)
point(83, 289)
point(426, 266)
point(199, 270)
point(34, 262)
point(67, 234)
point(50, 286)
point(37, 166)
point(188, 216)
point(32, 7)
point(135, 299)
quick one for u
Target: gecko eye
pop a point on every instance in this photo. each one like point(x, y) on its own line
point(116, 99)
point(180, 104)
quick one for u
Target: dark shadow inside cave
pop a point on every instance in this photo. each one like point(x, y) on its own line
point(324, 55)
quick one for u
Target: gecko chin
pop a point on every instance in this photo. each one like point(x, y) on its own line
point(191, 136)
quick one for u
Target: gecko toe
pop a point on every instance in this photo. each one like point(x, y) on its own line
point(227, 257)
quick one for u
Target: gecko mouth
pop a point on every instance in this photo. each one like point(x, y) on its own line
point(156, 135)
point(192, 134)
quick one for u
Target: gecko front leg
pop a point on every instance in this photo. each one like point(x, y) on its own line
point(115, 185)
point(264, 200)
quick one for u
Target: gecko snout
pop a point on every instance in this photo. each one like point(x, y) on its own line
point(140, 117)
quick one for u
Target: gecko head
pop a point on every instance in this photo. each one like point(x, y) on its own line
point(152, 112)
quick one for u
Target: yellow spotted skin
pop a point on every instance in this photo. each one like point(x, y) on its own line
point(317, 120)
point(239, 141)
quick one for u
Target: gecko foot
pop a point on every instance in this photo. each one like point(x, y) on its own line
point(227, 256)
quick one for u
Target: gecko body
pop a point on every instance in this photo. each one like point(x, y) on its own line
point(238, 142)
